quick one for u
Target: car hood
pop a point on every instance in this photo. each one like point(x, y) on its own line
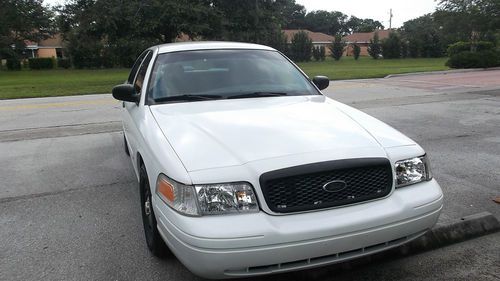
point(221, 133)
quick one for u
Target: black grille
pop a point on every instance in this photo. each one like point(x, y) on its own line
point(301, 188)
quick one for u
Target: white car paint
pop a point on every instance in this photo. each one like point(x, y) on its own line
point(238, 140)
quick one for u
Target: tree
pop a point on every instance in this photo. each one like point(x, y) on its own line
point(22, 20)
point(337, 47)
point(301, 47)
point(279, 41)
point(293, 14)
point(391, 46)
point(326, 22)
point(374, 48)
point(355, 24)
point(473, 19)
point(356, 50)
point(107, 32)
point(251, 20)
point(425, 37)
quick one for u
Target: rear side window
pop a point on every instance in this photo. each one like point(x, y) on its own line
point(137, 63)
point(141, 73)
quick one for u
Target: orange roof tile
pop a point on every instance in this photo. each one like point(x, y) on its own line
point(364, 37)
point(316, 37)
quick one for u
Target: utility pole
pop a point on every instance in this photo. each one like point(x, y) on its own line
point(390, 19)
point(256, 28)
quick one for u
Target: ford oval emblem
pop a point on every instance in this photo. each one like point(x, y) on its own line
point(334, 186)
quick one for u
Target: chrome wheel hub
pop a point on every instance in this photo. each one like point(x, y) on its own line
point(147, 207)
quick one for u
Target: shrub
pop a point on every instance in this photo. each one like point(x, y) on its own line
point(337, 47)
point(468, 59)
point(356, 51)
point(461, 46)
point(322, 53)
point(316, 54)
point(391, 47)
point(63, 63)
point(41, 63)
point(374, 48)
point(413, 48)
point(108, 60)
point(13, 64)
point(279, 41)
point(301, 47)
point(404, 49)
point(85, 51)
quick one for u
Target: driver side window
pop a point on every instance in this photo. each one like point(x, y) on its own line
point(141, 73)
point(136, 66)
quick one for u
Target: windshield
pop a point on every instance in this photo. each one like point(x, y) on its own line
point(220, 74)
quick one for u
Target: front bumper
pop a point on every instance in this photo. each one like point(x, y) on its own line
point(256, 244)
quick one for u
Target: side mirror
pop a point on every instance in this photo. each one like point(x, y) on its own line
point(125, 92)
point(321, 82)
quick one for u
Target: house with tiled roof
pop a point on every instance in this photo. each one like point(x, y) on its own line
point(362, 39)
point(318, 38)
point(46, 48)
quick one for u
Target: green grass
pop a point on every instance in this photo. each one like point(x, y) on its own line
point(45, 83)
point(366, 67)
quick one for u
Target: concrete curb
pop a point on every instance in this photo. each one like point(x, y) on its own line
point(442, 72)
point(442, 235)
point(466, 228)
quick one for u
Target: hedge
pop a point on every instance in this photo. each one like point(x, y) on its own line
point(468, 59)
point(41, 63)
point(63, 63)
point(459, 47)
point(13, 64)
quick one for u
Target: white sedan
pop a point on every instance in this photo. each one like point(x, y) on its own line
point(245, 168)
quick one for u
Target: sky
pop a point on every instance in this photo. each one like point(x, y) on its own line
point(402, 10)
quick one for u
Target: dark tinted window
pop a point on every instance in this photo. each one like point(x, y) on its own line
point(137, 63)
point(141, 73)
point(225, 73)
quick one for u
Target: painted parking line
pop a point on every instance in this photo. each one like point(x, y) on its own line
point(57, 104)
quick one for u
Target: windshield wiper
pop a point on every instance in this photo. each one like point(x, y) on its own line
point(189, 97)
point(257, 95)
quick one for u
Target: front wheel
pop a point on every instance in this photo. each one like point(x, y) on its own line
point(153, 238)
point(125, 145)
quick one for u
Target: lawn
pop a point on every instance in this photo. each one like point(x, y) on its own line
point(44, 83)
point(366, 67)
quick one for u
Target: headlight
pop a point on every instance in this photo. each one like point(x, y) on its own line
point(207, 199)
point(412, 171)
point(226, 198)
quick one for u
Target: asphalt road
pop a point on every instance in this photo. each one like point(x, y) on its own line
point(69, 206)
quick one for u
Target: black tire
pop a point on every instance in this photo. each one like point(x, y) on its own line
point(153, 238)
point(125, 145)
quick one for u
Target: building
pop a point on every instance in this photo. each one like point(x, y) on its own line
point(47, 48)
point(318, 39)
point(362, 39)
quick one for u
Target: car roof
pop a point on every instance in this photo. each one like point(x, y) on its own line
point(208, 45)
